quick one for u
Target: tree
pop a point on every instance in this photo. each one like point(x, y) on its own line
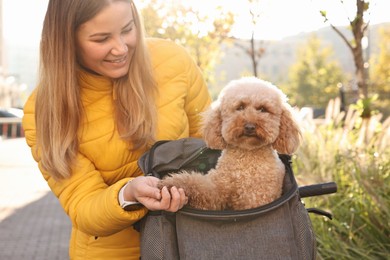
point(201, 34)
point(253, 51)
point(358, 27)
point(380, 72)
point(314, 78)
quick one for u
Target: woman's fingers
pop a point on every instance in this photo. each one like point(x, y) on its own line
point(165, 201)
point(175, 200)
point(145, 191)
point(183, 198)
point(172, 200)
point(144, 188)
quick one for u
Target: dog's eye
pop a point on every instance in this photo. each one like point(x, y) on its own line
point(262, 109)
point(240, 107)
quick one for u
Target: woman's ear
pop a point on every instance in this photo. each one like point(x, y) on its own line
point(211, 128)
point(289, 134)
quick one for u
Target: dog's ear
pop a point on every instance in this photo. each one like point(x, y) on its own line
point(289, 133)
point(212, 128)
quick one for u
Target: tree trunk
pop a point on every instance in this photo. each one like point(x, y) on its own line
point(358, 30)
point(253, 55)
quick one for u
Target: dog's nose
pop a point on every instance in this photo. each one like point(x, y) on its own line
point(249, 128)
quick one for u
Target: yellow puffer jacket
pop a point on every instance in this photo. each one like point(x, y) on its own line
point(101, 228)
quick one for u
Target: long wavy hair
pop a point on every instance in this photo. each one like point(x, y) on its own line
point(58, 104)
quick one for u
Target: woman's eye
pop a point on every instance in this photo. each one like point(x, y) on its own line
point(127, 30)
point(100, 40)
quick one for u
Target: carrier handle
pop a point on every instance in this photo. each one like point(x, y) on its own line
point(317, 189)
point(151, 159)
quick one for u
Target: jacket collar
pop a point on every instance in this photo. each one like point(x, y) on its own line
point(95, 82)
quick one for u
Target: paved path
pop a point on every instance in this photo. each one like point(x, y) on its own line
point(32, 223)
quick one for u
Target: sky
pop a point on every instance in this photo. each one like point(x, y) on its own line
point(22, 20)
point(282, 18)
point(278, 18)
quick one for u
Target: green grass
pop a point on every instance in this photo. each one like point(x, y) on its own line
point(355, 154)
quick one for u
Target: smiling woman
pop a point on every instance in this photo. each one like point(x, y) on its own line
point(106, 93)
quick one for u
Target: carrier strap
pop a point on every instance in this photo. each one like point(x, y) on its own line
point(320, 212)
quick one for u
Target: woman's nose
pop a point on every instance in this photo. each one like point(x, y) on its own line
point(119, 47)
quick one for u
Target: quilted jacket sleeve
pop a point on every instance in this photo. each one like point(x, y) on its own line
point(183, 91)
point(91, 204)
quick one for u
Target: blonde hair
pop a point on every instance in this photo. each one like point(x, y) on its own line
point(58, 104)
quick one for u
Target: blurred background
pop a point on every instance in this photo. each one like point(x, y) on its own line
point(267, 38)
point(277, 40)
point(332, 59)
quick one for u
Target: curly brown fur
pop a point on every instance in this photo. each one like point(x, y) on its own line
point(250, 121)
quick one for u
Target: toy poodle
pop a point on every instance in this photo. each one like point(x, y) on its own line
point(251, 122)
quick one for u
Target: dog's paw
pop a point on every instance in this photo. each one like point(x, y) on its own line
point(166, 182)
point(179, 180)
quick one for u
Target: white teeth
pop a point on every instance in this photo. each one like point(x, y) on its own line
point(117, 61)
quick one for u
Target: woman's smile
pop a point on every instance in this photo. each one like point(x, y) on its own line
point(119, 60)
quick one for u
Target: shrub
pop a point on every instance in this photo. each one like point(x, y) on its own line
point(353, 152)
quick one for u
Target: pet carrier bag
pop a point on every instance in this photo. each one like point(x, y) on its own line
point(279, 230)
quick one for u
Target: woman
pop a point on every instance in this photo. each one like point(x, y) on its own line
point(105, 94)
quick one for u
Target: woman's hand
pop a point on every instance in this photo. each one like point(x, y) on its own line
point(144, 190)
